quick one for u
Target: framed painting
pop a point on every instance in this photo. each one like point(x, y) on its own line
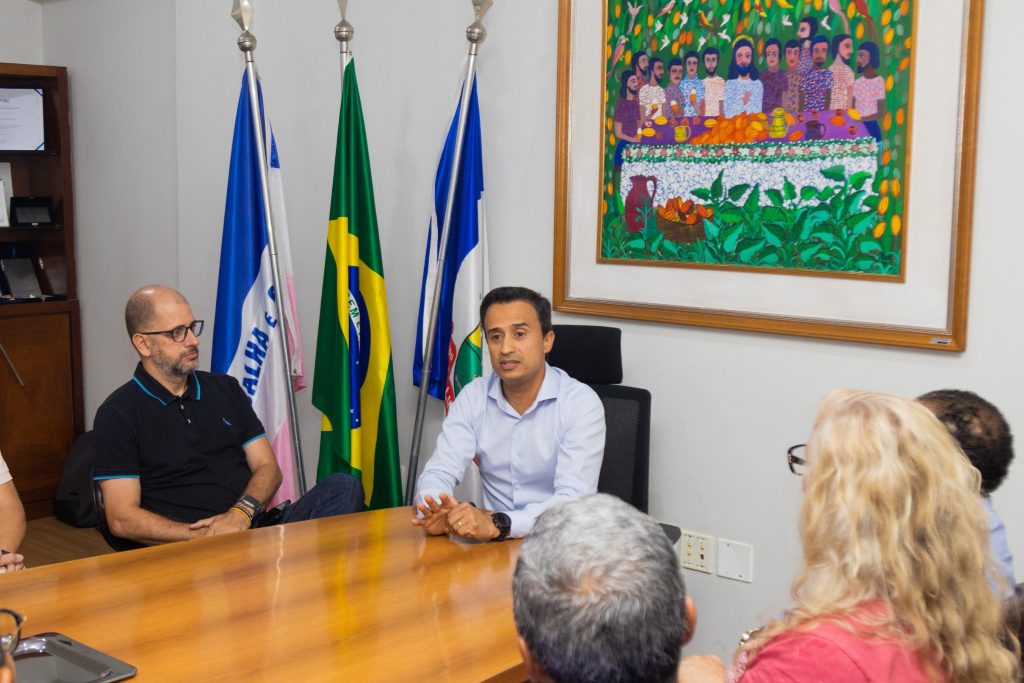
point(748, 164)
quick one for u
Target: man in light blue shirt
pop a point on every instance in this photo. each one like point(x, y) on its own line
point(537, 433)
point(985, 437)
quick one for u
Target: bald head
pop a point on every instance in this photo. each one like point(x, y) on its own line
point(141, 308)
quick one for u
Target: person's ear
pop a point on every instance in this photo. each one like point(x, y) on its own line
point(534, 669)
point(141, 343)
point(690, 607)
point(549, 341)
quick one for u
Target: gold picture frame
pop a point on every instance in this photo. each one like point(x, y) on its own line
point(926, 307)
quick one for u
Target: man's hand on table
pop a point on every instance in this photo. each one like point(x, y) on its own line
point(11, 562)
point(435, 514)
point(226, 523)
point(469, 522)
point(449, 516)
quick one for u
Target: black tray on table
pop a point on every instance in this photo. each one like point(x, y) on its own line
point(56, 658)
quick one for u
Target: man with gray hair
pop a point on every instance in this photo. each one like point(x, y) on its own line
point(598, 596)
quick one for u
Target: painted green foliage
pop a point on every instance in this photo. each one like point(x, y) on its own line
point(831, 229)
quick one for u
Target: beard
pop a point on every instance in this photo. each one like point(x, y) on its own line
point(861, 67)
point(743, 70)
point(845, 60)
point(176, 367)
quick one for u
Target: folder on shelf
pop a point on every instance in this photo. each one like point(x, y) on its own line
point(53, 275)
point(21, 278)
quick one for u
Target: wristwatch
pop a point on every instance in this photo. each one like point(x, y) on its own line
point(504, 524)
point(251, 503)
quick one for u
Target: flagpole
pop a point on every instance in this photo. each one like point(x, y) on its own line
point(475, 34)
point(242, 13)
point(344, 33)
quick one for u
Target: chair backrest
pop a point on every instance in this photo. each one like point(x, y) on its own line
point(593, 354)
point(627, 446)
point(73, 502)
point(589, 353)
point(115, 542)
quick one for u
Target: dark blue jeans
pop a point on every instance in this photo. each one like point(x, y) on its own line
point(338, 494)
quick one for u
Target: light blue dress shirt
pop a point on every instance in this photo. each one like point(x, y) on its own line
point(999, 545)
point(529, 462)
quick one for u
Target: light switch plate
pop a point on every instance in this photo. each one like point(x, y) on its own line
point(735, 560)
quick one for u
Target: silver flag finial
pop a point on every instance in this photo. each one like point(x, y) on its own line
point(480, 8)
point(241, 12)
point(344, 32)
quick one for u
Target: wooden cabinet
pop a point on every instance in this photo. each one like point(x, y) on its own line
point(40, 359)
point(37, 426)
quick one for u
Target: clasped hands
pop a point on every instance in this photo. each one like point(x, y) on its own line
point(225, 523)
point(11, 562)
point(449, 516)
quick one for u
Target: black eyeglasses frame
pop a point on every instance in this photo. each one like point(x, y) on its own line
point(795, 460)
point(180, 333)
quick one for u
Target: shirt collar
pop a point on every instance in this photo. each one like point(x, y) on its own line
point(548, 390)
point(158, 391)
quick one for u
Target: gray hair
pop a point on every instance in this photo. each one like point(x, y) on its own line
point(598, 596)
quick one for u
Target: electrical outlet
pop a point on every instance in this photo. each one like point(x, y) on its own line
point(696, 551)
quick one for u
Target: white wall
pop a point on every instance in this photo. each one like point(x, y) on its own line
point(154, 87)
point(120, 56)
point(21, 31)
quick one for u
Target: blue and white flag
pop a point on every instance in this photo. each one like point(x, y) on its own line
point(457, 354)
point(247, 330)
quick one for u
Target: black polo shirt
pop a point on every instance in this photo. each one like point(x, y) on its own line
point(187, 452)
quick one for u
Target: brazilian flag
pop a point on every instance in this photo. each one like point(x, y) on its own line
point(354, 383)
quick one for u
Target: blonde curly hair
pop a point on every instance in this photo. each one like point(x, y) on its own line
point(892, 514)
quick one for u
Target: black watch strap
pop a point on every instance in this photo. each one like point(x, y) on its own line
point(252, 503)
point(503, 523)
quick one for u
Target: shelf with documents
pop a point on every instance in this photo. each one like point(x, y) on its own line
point(41, 398)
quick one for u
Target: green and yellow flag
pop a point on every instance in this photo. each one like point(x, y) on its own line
point(354, 383)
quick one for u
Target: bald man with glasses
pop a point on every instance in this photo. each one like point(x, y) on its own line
point(180, 454)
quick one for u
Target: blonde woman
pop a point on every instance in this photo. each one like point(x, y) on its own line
point(895, 557)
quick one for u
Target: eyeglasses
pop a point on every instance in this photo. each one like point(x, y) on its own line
point(10, 629)
point(179, 333)
point(797, 458)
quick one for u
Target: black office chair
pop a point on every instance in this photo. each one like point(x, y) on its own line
point(78, 489)
point(115, 542)
point(593, 354)
point(73, 503)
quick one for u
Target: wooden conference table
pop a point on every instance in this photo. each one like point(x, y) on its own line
point(364, 597)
